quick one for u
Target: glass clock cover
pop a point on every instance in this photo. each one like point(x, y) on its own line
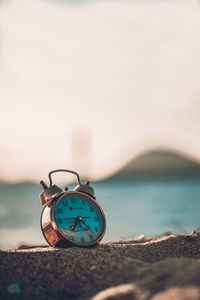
point(79, 218)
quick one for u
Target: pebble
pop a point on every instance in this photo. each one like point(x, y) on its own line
point(14, 288)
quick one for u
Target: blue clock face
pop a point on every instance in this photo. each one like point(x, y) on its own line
point(79, 219)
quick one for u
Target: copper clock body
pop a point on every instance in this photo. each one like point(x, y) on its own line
point(53, 232)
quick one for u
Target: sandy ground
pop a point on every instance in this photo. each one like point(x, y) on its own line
point(167, 267)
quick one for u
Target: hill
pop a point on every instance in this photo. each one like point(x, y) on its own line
point(159, 163)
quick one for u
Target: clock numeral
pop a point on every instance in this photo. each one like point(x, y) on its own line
point(91, 209)
point(64, 202)
point(59, 221)
point(83, 202)
point(96, 219)
point(82, 240)
point(95, 229)
point(59, 210)
point(73, 200)
point(91, 237)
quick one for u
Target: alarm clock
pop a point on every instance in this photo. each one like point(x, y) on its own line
point(71, 218)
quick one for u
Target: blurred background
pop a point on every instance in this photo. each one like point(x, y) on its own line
point(110, 89)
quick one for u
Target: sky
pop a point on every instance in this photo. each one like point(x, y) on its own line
point(91, 85)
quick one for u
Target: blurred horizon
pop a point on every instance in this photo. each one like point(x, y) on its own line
point(151, 162)
point(89, 87)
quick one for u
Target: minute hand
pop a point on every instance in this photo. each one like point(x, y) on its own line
point(75, 218)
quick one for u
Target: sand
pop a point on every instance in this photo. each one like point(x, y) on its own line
point(167, 267)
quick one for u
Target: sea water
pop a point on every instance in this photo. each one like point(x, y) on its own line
point(132, 207)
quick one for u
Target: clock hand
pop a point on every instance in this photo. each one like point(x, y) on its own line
point(79, 218)
point(92, 231)
point(87, 227)
point(76, 221)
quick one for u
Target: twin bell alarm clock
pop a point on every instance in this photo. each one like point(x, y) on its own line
point(71, 218)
